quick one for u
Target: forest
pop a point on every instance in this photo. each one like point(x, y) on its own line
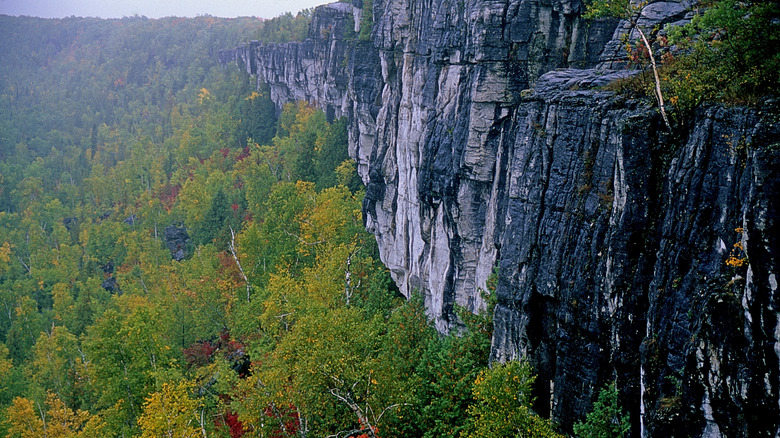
point(180, 258)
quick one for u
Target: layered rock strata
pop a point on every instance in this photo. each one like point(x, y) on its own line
point(428, 98)
point(623, 252)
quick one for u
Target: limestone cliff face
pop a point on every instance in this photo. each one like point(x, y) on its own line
point(429, 98)
point(614, 257)
point(483, 141)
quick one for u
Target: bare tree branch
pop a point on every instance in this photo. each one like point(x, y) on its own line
point(348, 288)
point(658, 94)
point(234, 253)
point(632, 14)
point(29, 271)
point(202, 422)
point(319, 242)
point(348, 400)
point(276, 411)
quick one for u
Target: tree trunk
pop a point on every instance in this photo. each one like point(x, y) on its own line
point(657, 79)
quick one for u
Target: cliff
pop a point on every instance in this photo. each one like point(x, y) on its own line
point(624, 252)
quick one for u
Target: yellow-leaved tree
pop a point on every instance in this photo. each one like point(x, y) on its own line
point(171, 412)
point(29, 419)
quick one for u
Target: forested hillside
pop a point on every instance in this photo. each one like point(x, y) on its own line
point(177, 259)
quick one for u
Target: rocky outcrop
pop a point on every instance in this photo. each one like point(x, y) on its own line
point(428, 99)
point(484, 141)
point(177, 239)
point(628, 255)
point(110, 284)
point(314, 70)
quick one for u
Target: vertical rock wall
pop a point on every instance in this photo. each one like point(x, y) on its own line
point(429, 99)
point(451, 77)
point(618, 261)
point(481, 146)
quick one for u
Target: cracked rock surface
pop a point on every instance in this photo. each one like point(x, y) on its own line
point(485, 140)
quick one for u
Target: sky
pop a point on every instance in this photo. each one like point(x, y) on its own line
point(154, 8)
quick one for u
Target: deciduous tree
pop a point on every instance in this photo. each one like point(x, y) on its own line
point(172, 412)
point(503, 402)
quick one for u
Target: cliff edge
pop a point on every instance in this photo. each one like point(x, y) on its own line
point(624, 252)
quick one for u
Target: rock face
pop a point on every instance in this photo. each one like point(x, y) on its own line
point(615, 261)
point(110, 284)
point(429, 98)
point(177, 240)
point(484, 142)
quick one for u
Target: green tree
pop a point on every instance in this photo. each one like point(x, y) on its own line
point(275, 241)
point(128, 354)
point(285, 28)
point(331, 151)
point(105, 243)
point(172, 412)
point(56, 364)
point(503, 402)
point(214, 220)
point(26, 325)
point(728, 52)
point(606, 420)
point(300, 128)
point(258, 172)
point(91, 301)
point(258, 117)
point(326, 367)
point(200, 295)
point(449, 365)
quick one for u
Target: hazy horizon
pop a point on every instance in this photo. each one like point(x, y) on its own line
point(154, 8)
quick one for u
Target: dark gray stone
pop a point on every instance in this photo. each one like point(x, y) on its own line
point(177, 240)
point(110, 284)
point(71, 223)
point(481, 146)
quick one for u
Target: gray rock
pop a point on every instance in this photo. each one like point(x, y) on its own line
point(481, 146)
point(110, 284)
point(663, 11)
point(653, 17)
point(177, 240)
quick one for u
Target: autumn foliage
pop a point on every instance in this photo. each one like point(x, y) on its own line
point(275, 319)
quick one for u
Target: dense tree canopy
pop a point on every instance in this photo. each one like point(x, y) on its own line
point(175, 260)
